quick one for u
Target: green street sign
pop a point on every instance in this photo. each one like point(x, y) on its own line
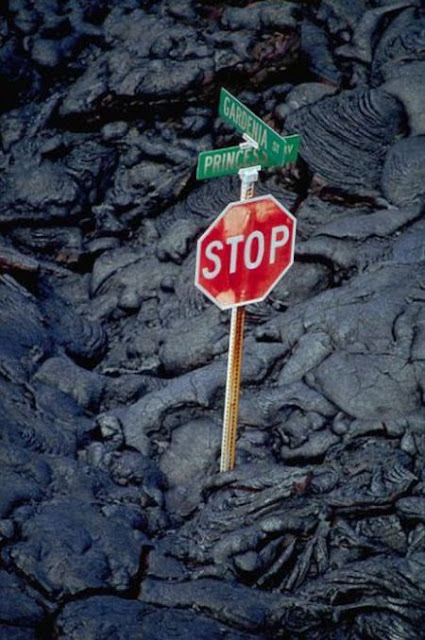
point(227, 161)
point(245, 121)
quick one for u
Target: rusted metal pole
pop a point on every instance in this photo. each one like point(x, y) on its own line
point(231, 403)
point(248, 178)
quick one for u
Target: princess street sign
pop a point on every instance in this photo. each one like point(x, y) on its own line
point(223, 162)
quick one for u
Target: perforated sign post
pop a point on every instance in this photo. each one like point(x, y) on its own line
point(249, 247)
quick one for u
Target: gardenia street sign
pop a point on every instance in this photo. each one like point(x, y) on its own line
point(245, 121)
point(273, 150)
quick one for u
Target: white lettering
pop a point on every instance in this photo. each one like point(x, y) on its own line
point(262, 158)
point(209, 274)
point(277, 241)
point(259, 156)
point(226, 105)
point(238, 155)
point(288, 148)
point(249, 262)
point(229, 160)
point(234, 241)
point(238, 114)
point(254, 247)
point(217, 162)
point(208, 162)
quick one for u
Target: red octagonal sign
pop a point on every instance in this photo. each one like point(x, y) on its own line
point(245, 251)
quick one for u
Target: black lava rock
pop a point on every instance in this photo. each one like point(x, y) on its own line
point(114, 520)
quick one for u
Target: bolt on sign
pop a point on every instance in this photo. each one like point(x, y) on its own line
point(245, 251)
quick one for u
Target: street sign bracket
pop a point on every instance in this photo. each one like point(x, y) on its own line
point(249, 143)
point(248, 175)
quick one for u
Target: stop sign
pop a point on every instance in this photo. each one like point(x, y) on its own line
point(245, 251)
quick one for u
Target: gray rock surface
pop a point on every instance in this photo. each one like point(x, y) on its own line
point(114, 520)
point(124, 619)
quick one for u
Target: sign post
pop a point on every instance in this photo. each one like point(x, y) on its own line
point(234, 364)
point(233, 380)
point(248, 248)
